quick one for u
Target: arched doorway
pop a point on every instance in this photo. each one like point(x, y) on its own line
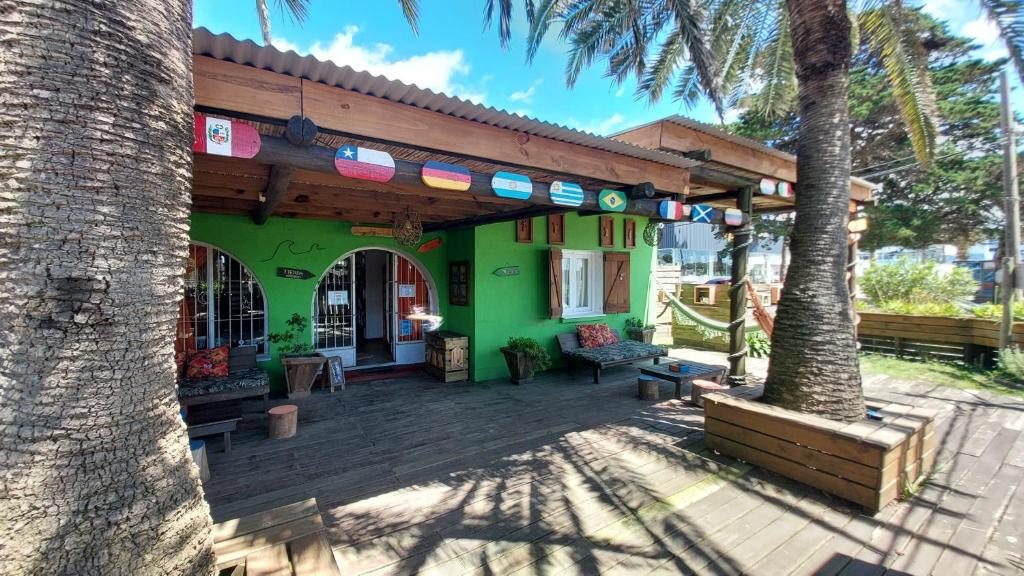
point(368, 309)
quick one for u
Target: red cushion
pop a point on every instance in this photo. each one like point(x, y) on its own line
point(211, 363)
point(595, 335)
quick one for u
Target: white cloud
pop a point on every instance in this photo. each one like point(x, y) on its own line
point(526, 96)
point(599, 126)
point(437, 71)
point(620, 91)
point(986, 34)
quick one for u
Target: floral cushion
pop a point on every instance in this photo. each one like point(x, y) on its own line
point(254, 379)
point(211, 363)
point(625, 350)
point(595, 335)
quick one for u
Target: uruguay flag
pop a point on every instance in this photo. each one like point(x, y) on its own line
point(364, 164)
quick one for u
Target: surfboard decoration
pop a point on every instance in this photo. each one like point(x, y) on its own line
point(222, 137)
point(611, 200)
point(429, 245)
point(784, 189)
point(364, 163)
point(672, 210)
point(445, 176)
point(703, 213)
point(733, 216)
point(767, 186)
point(512, 185)
point(566, 193)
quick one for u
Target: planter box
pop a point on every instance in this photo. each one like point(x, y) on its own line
point(645, 335)
point(300, 372)
point(867, 462)
point(906, 328)
point(520, 366)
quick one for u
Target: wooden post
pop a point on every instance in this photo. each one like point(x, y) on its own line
point(738, 290)
point(851, 278)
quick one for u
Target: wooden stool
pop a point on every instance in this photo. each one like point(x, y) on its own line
point(647, 388)
point(282, 421)
point(702, 387)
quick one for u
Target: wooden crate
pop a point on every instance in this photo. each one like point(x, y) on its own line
point(448, 356)
point(867, 462)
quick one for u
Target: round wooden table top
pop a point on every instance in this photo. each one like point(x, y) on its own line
point(283, 409)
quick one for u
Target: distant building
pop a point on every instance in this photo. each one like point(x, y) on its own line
point(699, 256)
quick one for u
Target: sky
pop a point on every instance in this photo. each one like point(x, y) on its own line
point(453, 54)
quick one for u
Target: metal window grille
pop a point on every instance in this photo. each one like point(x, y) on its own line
point(333, 307)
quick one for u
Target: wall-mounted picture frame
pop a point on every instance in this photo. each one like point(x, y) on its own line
point(458, 283)
point(556, 229)
point(606, 230)
point(524, 230)
point(629, 233)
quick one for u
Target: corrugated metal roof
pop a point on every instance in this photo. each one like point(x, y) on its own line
point(247, 52)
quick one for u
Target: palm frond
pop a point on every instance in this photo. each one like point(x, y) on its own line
point(504, 18)
point(778, 94)
point(658, 76)
point(546, 13)
point(689, 22)
point(906, 69)
point(1009, 17)
point(411, 11)
point(298, 10)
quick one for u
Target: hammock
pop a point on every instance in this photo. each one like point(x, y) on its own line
point(764, 319)
point(707, 327)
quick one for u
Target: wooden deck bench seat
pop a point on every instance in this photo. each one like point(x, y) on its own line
point(225, 427)
point(623, 352)
point(236, 385)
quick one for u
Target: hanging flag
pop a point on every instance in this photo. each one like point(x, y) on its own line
point(672, 210)
point(701, 213)
point(224, 137)
point(784, 189)
point(612, 200)
point(445, 176)
point(566, 193)
point(767, 186)
point(512, 185)
point(733, 216)
point(364, 163)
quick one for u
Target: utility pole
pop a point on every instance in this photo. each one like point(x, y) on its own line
point(1011, 207)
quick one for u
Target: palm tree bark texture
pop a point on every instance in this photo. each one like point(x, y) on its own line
point(814, 364)
point(95, 177)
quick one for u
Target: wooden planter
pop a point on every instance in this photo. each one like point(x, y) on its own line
point(447, 356)
point(867, 462)
point(645, 335)
point(300, 373)
point(520, 366)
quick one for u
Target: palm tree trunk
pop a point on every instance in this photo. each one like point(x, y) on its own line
point(814, 355)
point(95, 177)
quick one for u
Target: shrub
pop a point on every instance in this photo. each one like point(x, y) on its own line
point(1011, 363)
point(289, 340)
point(995, 311)
point(758, 345)
point(919, 308)
point(531, 348)
point(920, 282)
point(635, 323)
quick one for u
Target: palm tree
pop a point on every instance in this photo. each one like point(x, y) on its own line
point(95, 176)
point(772, 55)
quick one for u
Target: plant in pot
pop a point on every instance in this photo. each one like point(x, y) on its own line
point(525, 356)
point(638, 331)
point(301, 363)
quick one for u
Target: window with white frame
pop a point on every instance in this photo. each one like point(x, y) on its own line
point(582, 283)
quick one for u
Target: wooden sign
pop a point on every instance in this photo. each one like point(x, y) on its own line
point(611, 200)
point(512, 185)
point(222, 137)
point(672, 210)
point(733, 216)
point(429, 245)
point(629, 233)
point(524, 230)
point(445, 176)
point(858, 225)
point(294, 273)
point(607, 232)
point(556, 229)
point(566, 193)
point(507, 271)
point(336, 371)
point(364, 163)
point(378, 231)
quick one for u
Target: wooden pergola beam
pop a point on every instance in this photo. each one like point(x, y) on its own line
point(531, 212)
point(277, 187)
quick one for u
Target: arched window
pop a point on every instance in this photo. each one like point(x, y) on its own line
point(222, 305)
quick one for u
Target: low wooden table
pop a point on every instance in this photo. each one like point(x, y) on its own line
point(225, 427)
point(693, 371)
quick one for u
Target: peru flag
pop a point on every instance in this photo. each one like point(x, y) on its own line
point(224, 137)
point(364, 164)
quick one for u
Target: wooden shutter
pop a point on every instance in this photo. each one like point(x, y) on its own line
point(555, 282)
point(616, 282)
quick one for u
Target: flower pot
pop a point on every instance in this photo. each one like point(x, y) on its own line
point(520, 366)
point(300, 372)
point(645, 335)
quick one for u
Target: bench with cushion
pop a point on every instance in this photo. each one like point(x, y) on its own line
point(622, 352)
point(244, 380)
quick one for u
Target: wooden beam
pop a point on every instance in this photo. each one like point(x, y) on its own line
point(229, 86)
point(771, 165)
point(277, 187)
point(531, 212)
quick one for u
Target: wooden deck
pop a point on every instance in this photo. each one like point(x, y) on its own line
point(561, 476)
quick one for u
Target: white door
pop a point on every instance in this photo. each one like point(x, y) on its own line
point(334, 312)
point(409, 298)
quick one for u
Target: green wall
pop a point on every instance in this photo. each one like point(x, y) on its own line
point(518, 305)
point(311, 245)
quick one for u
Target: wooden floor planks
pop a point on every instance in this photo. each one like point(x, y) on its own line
point(560, 476)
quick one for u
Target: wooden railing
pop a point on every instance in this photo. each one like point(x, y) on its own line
point(938, 336)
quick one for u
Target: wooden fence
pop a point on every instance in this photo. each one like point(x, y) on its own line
point(939, 337)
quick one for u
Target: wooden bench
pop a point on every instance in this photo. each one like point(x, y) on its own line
point(226, 427)
point(285, 540)
point(625, 352)
point(244, 380)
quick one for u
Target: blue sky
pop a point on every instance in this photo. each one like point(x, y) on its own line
point(455, 55)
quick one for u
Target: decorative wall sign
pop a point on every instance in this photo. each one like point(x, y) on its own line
point(512, 185)
point(507, 271)
point(701, 213)
point(784, 189)
point(611, 200)
point(364, 163)
point(652, 233)
point(767, 186)
point(733, 216)
point(405, 328)
point(294, 273)
point(372, 231)
point(524, 230)
point(629, 233)
point(222, 137)
point(430, 245)
point(858, 224)
point(406, 290)
point(445, 176)
point(289, 245)
point(566, 193)
point(336, 371)
point(606, 232)
point(458, 283)
point(556, 229)
point(337, 297)
point(672, 210)
point(407, 228)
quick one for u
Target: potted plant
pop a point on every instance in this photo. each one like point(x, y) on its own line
point(638, 331)
point(301, 364)
point(525, 356)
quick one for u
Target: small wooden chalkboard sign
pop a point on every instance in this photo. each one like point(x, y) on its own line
point(294, 273)
point(336, 372)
